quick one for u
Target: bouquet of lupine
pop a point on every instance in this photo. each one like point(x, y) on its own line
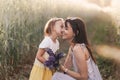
point(53, 60)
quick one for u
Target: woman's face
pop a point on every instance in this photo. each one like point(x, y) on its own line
point(68, 33)
point(58, 28)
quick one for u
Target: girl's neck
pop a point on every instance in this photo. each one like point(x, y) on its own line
point(53, 37)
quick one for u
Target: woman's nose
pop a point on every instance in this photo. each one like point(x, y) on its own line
point(62, 31)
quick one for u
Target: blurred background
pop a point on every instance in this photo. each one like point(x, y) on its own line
point(21, 30)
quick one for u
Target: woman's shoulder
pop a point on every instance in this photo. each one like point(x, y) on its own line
point(81, 48)
point(78, 46)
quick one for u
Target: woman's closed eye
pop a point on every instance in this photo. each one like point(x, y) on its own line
point(66, 28)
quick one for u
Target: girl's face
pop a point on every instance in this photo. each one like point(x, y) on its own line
point(68, 33)
point(58, 28)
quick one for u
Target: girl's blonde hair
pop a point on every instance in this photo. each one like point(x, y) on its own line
point(50, 24)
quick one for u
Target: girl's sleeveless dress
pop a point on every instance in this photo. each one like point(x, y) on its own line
point(93, 71)
point(39, 71)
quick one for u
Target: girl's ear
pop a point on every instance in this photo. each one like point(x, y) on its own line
point(53, 28)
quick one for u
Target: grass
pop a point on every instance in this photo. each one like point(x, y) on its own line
point(21, 30)
point(108, 68)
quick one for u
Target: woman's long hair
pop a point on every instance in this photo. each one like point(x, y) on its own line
point(79, 29)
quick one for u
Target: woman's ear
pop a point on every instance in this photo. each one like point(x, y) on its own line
point(73, 34)
point(77, 32)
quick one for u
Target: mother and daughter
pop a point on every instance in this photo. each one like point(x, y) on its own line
point(79, 63)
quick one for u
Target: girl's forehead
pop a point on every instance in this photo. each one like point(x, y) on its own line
point(60, 21)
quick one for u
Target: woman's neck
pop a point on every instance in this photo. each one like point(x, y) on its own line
point(71, 43)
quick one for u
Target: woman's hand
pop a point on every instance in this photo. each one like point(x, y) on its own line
point(62, 68)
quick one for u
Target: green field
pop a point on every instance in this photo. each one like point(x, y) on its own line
point(21, 30)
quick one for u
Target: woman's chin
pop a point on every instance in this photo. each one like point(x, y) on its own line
point(64, 38)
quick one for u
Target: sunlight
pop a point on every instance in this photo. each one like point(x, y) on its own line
point(85, 4)
point(113, 9)
point(116, 13)
point(21, 31)
point(107, 51)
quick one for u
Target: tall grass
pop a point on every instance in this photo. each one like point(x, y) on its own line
point(22, 23)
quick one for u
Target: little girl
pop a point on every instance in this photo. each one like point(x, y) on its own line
point(52, 30)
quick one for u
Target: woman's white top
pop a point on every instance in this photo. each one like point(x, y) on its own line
point(93, 71)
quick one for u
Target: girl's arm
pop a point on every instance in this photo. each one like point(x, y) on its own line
point(68, 60)
point(81, 64)
point(39, 55)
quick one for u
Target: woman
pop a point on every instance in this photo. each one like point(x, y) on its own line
point(79, 54)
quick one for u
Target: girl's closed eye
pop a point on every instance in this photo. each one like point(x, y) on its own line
point(62, 26)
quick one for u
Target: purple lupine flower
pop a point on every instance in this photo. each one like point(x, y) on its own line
point(47, 63)
point(56, 64)
point(51, 67)
point(53, 60)
point(50, 52)
point(50, 62)
point(59, 55)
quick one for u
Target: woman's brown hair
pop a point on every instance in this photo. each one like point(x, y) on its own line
point(79, 29)
point(50, 24)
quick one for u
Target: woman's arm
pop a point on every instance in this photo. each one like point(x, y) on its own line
point(81, 64)
point(68, 60)
point(39, 55)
